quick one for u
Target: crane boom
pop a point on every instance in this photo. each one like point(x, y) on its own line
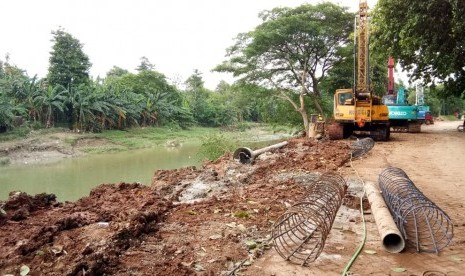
point(390, 89)
point(362, 88)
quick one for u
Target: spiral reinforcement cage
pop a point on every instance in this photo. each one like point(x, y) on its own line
point(361, 147)
point(422, 223)
point(299, 234)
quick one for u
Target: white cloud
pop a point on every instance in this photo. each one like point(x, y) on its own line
point(177, 36)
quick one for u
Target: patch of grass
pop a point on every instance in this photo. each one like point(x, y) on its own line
point(243, 126)
point(151, 136)
point(280, 128)
point(215, 145)
point(241, 214)
point(4, 161)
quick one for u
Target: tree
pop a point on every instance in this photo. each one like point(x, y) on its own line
point(426, 37)
point(197, 96)
point(145, 65)
point(292, 51)
point(12, 79)
point(50, 100)
point(149, 93)
point(69, 65)
point(116, 71)
point(6, 112)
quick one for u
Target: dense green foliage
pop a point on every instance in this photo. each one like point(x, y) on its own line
point(291, 51)
point(438, 103)
point(427, 37)
point(214, 146)
point(69, 65)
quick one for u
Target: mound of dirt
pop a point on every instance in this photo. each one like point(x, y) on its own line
point(214, 220)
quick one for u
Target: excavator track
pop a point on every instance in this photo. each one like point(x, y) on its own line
point(414, 127)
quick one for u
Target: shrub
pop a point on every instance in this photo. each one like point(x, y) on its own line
point(214, 146)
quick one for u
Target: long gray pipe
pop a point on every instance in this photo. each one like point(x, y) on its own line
point(246, 155)
point(390, 235)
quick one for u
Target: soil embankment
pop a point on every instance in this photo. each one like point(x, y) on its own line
point(190, 220)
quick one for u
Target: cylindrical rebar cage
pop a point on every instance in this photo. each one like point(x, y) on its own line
point(362, 146)
point(299, 234)
point(422, 223)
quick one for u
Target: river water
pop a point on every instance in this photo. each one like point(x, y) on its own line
point(73, 178)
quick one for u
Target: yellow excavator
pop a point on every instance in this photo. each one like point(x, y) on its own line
point(357, 109)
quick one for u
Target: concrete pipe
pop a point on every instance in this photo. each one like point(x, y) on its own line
point(247, 156)
point(390, 235)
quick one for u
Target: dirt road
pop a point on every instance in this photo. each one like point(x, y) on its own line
point(216, 220)
point(435, 161)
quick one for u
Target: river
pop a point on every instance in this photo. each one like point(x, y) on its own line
point(73, 178)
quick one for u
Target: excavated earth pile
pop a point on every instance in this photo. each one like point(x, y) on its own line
point(215, 220)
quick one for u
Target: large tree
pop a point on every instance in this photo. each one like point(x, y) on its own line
point(426, 37)
point(69, 65)
point(292, 51)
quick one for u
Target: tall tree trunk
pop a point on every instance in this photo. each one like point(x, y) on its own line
point(300, 109)
point(303, 113)
point(49, 115)
point(318, 105)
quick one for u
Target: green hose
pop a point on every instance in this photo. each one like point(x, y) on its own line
point(360, 247)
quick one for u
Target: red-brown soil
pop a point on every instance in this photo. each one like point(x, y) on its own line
point(209, 221)
point(216, 220)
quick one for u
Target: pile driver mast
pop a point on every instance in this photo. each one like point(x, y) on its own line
point(362, 89)
point(357, 109)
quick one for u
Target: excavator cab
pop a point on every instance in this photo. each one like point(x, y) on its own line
point(345, 98)
point(363, 115)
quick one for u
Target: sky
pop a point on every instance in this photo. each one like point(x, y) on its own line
point(177, 36)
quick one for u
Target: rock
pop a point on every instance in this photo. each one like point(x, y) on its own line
point(251, 244)
point(215, 237)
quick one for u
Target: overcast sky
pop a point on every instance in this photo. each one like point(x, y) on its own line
point(177, 36)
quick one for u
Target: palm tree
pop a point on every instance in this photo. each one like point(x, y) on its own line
point(52, 99)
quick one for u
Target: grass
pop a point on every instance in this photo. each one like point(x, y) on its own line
point(4, 161)
point(152, 136)
point(214, 141)
point(215, 145)
point(25, 131)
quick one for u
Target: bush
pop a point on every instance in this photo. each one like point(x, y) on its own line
point(4, 161)
point(22, 131)
point(214, 146)
point(36, 125)
point(243, 126)
point(173, 126)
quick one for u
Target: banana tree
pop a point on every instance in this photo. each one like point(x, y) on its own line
point(52, 99)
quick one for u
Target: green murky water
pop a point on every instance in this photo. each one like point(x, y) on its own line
point(73, 178)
